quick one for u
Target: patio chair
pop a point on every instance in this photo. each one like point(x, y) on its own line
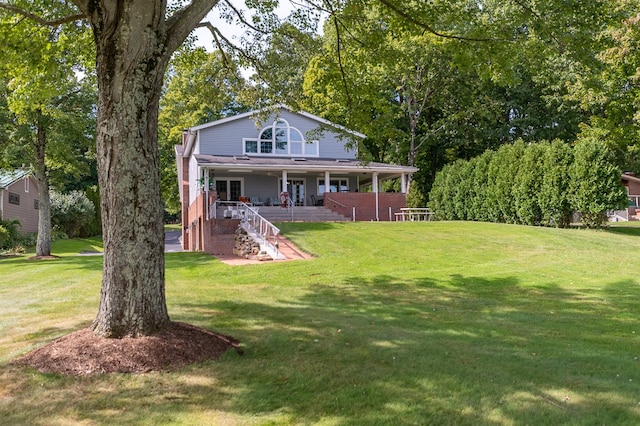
point(256, 201)
point(315, 201)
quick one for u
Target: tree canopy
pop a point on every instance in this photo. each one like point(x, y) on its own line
point(428, 82)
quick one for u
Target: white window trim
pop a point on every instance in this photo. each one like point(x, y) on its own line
point(273, 153)
point(340, 180)
point(244, 146)
point(228, 179)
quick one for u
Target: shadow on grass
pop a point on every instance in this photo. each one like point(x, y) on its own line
point(466, 350)
point(625, 230)
point(90, 262)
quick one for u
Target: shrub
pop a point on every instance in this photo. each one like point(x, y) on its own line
point(477, 207)
point(527, 184)
point(439, 197)
point(509, 156)
point(535, 184)
point(595, 183)
point(415, 197)
point(553, 197)
point(70, 212)
point(9, 234)
point(462, 189)
point(94, 225)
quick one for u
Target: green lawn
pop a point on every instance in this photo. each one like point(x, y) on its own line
point(392, 324)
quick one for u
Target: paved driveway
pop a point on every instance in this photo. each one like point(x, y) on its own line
point(172, 241)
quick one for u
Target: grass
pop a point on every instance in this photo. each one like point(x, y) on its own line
point(392, 324)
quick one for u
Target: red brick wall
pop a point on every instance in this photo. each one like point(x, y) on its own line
point(365, 204)
point(633, 186)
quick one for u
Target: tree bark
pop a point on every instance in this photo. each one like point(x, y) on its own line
point(43, 242)
point(130, 64)
point(134, 42)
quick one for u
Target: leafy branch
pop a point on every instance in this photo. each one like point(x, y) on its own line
point(40, 20)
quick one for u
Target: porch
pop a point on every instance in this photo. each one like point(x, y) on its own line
point(209, 217)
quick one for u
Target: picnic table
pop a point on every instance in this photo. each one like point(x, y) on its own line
point(414, 214)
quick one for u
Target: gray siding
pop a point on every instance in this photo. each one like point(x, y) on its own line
point(226, 138)
point(26, 213)
point(261, 186)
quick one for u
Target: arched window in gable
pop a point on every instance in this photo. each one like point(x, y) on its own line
point(281, 139)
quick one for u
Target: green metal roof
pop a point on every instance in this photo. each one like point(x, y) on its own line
point(9, 177)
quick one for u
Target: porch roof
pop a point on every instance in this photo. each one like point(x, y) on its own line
point(277, 164)
point(631, 177)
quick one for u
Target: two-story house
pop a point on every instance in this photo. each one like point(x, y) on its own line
point(284, 158)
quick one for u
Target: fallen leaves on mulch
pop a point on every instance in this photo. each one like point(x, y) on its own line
point(83, 353)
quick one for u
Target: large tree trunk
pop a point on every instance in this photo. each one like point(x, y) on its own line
point(134, 42)
point(130, 66)
point(43, 242)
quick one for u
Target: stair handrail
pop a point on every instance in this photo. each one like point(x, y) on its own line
point(334, 201)
point(260, 229)
point(290, 206)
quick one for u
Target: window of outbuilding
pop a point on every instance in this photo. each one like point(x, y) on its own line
point(14, 198)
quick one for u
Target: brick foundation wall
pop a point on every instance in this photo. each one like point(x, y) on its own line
point(389, 203)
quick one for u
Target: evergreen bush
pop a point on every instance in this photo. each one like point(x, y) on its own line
point(595, 183)
point(527, 184)
point(535, 184)
point(553, 196)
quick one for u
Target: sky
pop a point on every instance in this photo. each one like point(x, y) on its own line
point(232, 32)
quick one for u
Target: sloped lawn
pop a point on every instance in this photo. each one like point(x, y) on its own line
point(391, 324)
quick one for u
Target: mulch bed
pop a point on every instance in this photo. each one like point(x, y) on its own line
point(83, 353)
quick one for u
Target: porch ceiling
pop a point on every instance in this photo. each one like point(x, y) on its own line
point(292, 165)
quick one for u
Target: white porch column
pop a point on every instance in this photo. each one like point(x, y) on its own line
point(403, 183)
point(374, 184)
point(284, 181)
point(327, 181)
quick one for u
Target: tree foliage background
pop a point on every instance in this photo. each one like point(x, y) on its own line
point(428, 82)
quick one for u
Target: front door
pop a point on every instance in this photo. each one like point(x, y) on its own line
point(297, 192)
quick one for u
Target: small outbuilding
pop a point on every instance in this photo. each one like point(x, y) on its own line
point(19, 198)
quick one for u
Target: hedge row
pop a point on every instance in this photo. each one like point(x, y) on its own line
point(536, 184)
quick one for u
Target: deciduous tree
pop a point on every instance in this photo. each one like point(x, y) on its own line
point(43, 93)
